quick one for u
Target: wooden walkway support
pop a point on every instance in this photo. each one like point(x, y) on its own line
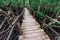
point(31, 30)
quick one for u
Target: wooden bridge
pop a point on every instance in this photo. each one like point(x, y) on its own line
point(31, 30)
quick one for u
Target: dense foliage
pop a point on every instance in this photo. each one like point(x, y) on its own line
point(14, 3)
point(34, 4)
point(2, 4)
point(47, 5)
point(26, 3)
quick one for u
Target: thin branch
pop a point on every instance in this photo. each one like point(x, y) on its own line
point(2, 23)
point(12, 24)
point(53, 19)
point(13, 27)
point(52, 29)
point(44, 21)
point(48, 25)
point(5, 14)
point(57, 13)
point(10, 33)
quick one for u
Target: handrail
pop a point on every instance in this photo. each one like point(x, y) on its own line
point(13, 23)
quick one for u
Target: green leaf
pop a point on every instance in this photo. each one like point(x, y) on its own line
point(41, 14)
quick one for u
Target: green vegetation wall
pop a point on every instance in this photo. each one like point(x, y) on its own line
point(26, 3)
point(14, 3)
point(47, 5)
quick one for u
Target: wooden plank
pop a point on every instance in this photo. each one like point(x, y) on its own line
point(31, 30)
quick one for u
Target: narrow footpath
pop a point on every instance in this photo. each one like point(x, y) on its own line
point(31, 30)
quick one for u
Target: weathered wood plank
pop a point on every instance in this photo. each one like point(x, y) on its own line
point(31, 30)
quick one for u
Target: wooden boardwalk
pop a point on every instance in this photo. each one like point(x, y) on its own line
point(31, 30)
